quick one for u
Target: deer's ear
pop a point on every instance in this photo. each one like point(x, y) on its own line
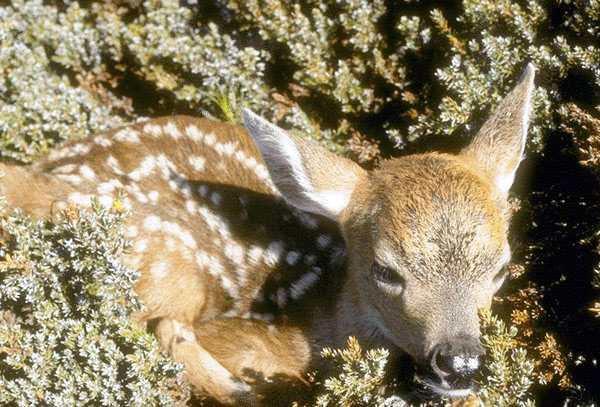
point(498, 146)
point(308, 176)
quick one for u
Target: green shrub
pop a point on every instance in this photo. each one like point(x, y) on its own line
point(361, 375)
point(510, 371)
point(384, 71)
point(65, 335)
point(505, 381)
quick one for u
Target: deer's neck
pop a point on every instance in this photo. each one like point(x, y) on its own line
point(351, 316)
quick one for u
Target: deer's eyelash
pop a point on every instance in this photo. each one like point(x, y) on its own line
point(386, 274)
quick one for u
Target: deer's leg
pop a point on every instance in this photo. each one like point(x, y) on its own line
point(240, 361)
point(203, 371)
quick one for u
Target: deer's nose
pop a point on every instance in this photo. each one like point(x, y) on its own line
point(457, 361)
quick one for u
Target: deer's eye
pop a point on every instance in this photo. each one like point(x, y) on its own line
point(386, 275)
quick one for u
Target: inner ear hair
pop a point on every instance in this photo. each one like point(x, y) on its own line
point(499, 145)
point(308, 176)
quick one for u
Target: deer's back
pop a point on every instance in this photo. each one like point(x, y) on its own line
point(210, 234)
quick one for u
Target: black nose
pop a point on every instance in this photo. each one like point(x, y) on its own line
point(457, 361)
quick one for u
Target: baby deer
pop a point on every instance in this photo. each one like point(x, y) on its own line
point(258, 248)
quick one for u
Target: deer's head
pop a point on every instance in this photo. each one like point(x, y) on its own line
point(426, 234)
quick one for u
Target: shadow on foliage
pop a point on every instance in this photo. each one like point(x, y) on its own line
point(565, 213)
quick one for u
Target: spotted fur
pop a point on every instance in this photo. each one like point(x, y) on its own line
point(255, 252)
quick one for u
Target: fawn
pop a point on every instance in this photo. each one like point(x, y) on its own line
point(257, 252)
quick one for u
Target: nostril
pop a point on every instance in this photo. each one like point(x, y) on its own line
point(444, 364)
point(439, 364)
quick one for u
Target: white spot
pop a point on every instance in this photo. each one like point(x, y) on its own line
point(229, 148)
point(191, 206)
point(197, 162)
point(177, 231)
point(171, 227)
point(226, 149)
point(171, 244)
point(250, 162)
point(202, 259)
point(299, 287)
point(255, 255)
point(259, 169)
point(145, 169)
point(159, 270)
point(131, 231)
point(214, 222)
point(186, 189)
point(105, 200)
point(80, 199)
point(281, 297)
point(234, 313)
point(202, 190)
point(87, 172)
point(243, 200)
point(127, 135)
point(153, 196)
point(79, 149)
point(112, 162)
point(167, 167)
point(140, 246)
point(323, 241)
point(103, 141)
point(134, 190)
point(65, 169)
point(292, 257)
point(192, 132)
point(172, 130)
point(126, 203)
point(216, 198)
point(262, 317)
point(105, 188)
point(235, 252)
point(262, 172)
point(274, 253)
point(187, 239)
point(57, 154)
point(215, 268)
point(109, 186)
point(209, 139)
point(461, 363)
point(153, 129)
point(152, 223)
point(306, 219)
point(70, 178)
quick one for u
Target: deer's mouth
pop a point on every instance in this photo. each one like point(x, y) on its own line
point(433, 385)
point(443, 389)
